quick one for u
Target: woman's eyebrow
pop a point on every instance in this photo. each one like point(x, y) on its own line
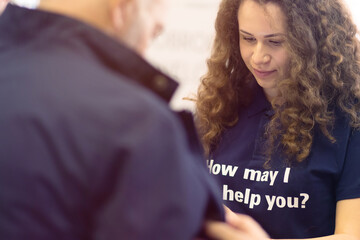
point(266, 36)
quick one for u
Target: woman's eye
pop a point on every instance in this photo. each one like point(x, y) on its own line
point(276, 43)
point(249, 39)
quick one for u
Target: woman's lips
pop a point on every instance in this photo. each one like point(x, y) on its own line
point(263, 74)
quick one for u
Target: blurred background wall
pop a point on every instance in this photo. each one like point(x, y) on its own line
point(182, 50)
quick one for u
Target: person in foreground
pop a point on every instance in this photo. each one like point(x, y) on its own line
point(89, 148)
point(279, 116)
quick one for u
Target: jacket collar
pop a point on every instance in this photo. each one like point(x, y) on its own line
point(32, 24)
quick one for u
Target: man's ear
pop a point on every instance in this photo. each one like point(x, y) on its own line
point(121, 12)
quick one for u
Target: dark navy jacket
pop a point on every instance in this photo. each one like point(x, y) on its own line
point(89, 148)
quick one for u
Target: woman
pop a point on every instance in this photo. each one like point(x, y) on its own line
point(279, 114)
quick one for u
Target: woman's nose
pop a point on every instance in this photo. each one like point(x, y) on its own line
point(260, 56)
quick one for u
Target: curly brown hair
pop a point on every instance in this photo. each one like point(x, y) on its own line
point(324, 75)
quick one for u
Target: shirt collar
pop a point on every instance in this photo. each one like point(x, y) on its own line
point(31, 24)
point(260, 104)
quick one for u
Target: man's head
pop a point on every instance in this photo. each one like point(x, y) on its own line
point(140, 21)
point(134, 22)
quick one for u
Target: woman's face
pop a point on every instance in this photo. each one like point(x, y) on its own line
point(262, 43)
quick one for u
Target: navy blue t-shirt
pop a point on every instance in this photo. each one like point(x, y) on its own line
point(289, 202)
